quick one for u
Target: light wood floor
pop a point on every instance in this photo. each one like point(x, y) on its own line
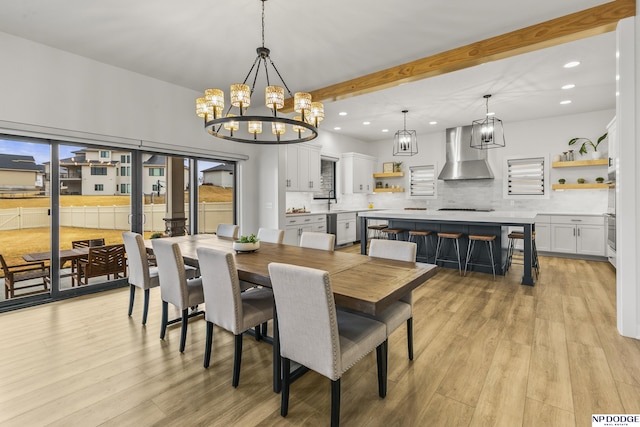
point(486, 353)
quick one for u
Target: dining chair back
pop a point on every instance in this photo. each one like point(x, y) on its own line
point(175, 288)
point(87, 243)
point(315, 240)
point(227, 230)
point(25, 273)
point(104, 260)
point(400, 311)
point(141, 274)
point(314, 334)
point(226, 306)
point(270, 235)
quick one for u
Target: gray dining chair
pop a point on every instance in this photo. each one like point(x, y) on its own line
point(316, 335)
point(227, 230)
point(228, 307)
point(400, 311)
point(315, 240)
point(142, 274)
point(270, 235)
point(175, 288)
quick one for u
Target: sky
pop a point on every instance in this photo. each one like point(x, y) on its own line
point(40, 152)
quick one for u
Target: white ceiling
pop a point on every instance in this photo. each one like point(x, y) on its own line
point(200, 44)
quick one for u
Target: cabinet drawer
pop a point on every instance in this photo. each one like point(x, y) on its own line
point(347, 216)
point(577, 220)
point(306, 219)
point(543, 219)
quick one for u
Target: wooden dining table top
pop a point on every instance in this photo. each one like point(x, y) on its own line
point(65, 254)
point(359, 282)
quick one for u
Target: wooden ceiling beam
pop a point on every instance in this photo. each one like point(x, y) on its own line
point(575, 26)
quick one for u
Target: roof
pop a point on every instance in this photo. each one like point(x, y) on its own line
point(155, 160)
point(16, 162)
point(221, 167)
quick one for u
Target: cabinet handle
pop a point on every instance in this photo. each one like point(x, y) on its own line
point(361, 186)
point(578, 232)
point(576, 220)
point(346, 225)
point(310, 184)
point(574, 231)
point(307, 220)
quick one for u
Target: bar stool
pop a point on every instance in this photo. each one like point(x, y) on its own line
point(519, 235)
point(488, 239)
point(454, 238)
point(377, 230)
point(415, 235)
point(396, 233)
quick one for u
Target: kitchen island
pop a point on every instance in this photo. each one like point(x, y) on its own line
point(494, 222)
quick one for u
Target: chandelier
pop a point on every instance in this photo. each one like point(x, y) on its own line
point(405, 142)
point(488, 132)
point(227, 125)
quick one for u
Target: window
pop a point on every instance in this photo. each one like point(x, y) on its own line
point(525, 177)
point(422, 181)
point(104, 154)
point(156, 171)
point(125, 158)
point(327, 180)
point(125, 188)
point(125, 170)
point(98, 187)
point(98, 170)
point(155, 187)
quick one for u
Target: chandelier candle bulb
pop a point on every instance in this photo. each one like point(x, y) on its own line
point(274, 97)
point(255, 127)
point(240, 96)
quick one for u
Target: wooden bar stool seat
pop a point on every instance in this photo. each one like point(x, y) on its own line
point(396, 233)
point(488, 239)
point(377, 230)
point(416, 236)
point(454, 238)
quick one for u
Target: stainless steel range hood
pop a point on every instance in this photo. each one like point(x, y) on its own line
point(464, 162)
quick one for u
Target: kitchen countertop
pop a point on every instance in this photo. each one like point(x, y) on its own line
point(521, 217)
point(331, 212)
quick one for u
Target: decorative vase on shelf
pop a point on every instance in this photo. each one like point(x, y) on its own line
point(596, 155)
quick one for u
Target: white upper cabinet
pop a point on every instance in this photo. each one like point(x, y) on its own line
point(303, 168)
point(357, 173)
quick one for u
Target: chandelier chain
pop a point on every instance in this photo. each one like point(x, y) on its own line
point(263, 22)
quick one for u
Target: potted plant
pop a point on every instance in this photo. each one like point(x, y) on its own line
point(599, 180)
point(586, 142)
point(562, 180)
point(157, 235)
point(247, 244)
point(581, 181)
point(396, 166)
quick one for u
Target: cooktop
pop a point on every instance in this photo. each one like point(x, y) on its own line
point(467, 209)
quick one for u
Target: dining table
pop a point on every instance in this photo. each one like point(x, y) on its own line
point(65, 255)
point(360, 283)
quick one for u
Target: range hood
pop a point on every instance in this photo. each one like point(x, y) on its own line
point(464, 162)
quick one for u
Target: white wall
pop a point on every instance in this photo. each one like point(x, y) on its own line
point(56, 94)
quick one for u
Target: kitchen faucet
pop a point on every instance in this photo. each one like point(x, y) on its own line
point(329, 199)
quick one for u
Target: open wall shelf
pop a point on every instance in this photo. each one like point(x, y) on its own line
point(577, 163)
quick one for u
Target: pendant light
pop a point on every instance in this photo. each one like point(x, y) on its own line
point(488, 132)
point(405, 142)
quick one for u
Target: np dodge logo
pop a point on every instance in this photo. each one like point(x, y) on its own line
point(615, 420)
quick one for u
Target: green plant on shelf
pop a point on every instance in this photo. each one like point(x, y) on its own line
point(586, 142)
point(581, 181)
point(562, 180)
point(599, 180)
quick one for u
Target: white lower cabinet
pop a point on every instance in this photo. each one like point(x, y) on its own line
point(346, 228)
point(295, 226)
point(583, 235)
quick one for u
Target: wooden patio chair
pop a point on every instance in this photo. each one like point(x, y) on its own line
point(102, 261)
point(14, 274)
point(87, 243)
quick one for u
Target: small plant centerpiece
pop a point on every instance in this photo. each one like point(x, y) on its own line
point(586, 142)
point(562, 180)
point(599, 180)
point(157, 235)
point(247, 244)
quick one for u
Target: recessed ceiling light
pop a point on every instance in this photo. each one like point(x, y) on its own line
point(433, 123)
point(366, 123)
point(571, 64)
point(385, 130)
point(569, 86)
point(337, 128)
point(565, 102)
point(342, 113)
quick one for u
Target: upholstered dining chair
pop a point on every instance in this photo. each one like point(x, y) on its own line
point(227, 230)
point(175, 288)
point(142, 274)
point(316, 335)
point(226, 306)
point(400, 311)
point(270, 235)
point(314, 240)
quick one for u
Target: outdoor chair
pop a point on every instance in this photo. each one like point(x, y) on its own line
point(87, 243)
point(102, 261)
point(25, 272)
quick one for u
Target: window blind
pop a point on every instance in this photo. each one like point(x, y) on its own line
point(526, 176)
point(423, 180)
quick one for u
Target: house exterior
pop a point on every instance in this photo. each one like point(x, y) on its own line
point(20, 174)
point(221, 176)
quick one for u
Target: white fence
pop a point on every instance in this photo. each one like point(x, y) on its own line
point(112, 217)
